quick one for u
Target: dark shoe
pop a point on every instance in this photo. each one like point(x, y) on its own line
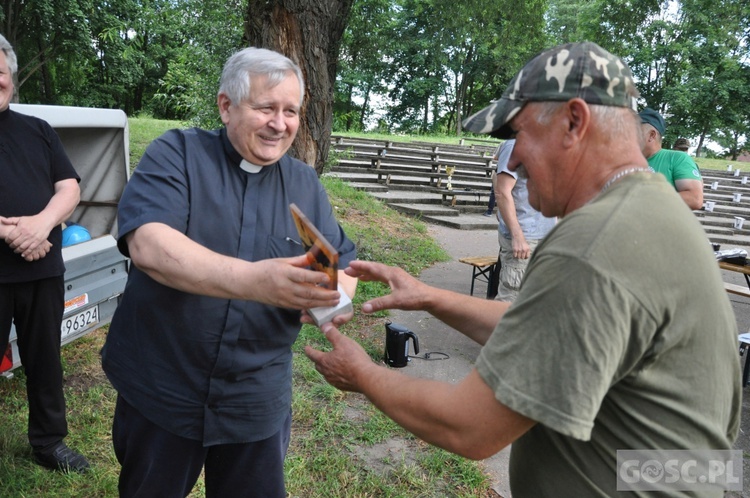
point(63, 459)
point(488, 213)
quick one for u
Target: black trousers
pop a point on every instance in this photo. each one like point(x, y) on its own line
point(36, 308)
point(156, 463)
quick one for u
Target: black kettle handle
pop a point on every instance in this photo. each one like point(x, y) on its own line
point(414, 339)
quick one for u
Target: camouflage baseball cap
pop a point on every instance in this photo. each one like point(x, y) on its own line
point(567, 71)
point(681, 144)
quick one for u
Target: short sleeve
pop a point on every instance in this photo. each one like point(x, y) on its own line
point(557, 351)
point(503, 156)
point(158, 190)
point(62, 168)
point(685, 168)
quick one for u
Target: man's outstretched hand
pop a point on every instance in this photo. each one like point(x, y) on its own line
point(407, 293)
point(346, 366)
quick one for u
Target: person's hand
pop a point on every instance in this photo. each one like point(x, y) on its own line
point(7, 225)
point(338, 320)
point(347, 285)
point(41, 251)
point(407, 293)
point(288, 283)
point(345, 364)
point(28, 236)
point(521, 249)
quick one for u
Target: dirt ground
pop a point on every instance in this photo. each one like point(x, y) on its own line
point(435, 337)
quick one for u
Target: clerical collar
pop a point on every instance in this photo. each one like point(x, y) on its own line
point(250, 167)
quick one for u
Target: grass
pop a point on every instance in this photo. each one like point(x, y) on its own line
point(143, 131)
point(720, 164)
point(340, 442)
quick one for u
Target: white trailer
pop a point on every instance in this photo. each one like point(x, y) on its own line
point(96, 140)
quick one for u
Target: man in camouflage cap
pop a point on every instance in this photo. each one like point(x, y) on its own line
point(681, 144)
point(583, 70)
point(608, 346)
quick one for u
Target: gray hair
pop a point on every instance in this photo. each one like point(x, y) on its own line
point(243, 65)
point(615, 123)
point(10, 55)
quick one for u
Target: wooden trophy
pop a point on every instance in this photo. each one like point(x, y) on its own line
point(321, 256)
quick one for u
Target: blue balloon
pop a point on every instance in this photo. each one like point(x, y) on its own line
point(74, 234)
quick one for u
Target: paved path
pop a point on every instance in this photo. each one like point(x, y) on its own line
point(434, 336)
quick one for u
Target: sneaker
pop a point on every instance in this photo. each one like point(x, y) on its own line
point(487, 213)
point(63, 459)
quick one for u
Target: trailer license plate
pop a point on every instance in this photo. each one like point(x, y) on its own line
point(80, 321)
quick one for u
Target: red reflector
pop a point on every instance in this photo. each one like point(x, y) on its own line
point(7, 360)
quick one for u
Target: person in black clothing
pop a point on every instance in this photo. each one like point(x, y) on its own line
point(38, 192)
point(199, 349)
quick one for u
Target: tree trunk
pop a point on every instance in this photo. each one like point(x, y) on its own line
point(309, 33)
point(349, 106)
point(363, 111)
point(699, 148)
point(462, 84)
point(46, 78)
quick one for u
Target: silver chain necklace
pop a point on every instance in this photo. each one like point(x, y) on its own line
point(619, 175)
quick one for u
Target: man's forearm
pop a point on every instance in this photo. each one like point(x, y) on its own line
point(63, 203)
point(507, 210)
point(463, 418)
point(474, 317)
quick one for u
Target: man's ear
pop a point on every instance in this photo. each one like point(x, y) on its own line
point(223, 103)
point(578, 116)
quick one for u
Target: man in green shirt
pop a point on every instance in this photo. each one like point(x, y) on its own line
point(677, 166)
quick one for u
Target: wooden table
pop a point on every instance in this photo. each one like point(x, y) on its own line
point(734, 288)
point(741, 291)
point(483, 268)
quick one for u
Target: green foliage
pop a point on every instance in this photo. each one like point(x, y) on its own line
point(188, 89)
point(407, 66)
point(155, 55)
point(432, 60)
point(689, 60)
point(363, 62)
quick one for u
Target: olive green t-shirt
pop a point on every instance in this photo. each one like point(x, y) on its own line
point(622, 337)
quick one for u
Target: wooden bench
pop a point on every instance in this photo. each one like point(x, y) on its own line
point(450, 197)
point(461, 183)
point(483, 268)
point(435, 163)
point(464, 157)
point(387, 175)
point(739, 290)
